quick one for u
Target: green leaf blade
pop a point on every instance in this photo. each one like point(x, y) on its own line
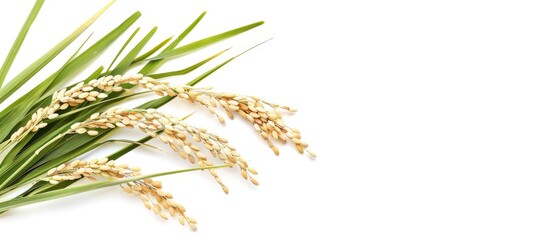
point(152, 65)
point(122, 48)
point(188, 69)
point(22, 201)
point(152, 51)
point(41, 62)
point(127, 61)
point(19, 40)
point(206, 42)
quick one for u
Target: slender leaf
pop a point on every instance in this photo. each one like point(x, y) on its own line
point(206, 42)
point(132, 143)
point(126, 149)
point(32, 69)
point(209, 72)
point(92, 52)
point(22, 201)
point(127, 61)
point(122, 48)
point(19, 40)
point(152, 65)
point(188, 69)
point(85, 58)
point(152, 51)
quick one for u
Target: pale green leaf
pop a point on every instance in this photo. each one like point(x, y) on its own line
point(187, 69)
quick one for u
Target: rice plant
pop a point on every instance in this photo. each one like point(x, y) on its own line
point(46, 130)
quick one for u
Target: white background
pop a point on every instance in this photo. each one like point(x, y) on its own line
point(429, 119)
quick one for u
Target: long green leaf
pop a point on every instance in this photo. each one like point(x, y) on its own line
point(152, 65)
point(209, 72)
point(206, 42)
point(188, 69)
point(127, 149)
point(32, 69)
point(122, 48)
point(19, 40)
point(127, 61)
point(89, 55)
point(152, 51)
point(18, 202)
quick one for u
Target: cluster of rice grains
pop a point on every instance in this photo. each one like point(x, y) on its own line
point(72, 97)
point(266, 117)
point(183, 138)
point(148, 190)
point(174, 132)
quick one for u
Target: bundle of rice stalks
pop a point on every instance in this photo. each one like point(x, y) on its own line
point(47, 129)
